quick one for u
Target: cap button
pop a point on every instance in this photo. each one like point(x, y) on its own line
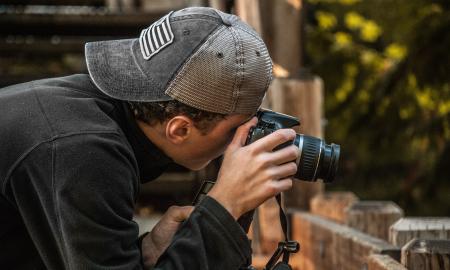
point(226, 18)
point(226, 21)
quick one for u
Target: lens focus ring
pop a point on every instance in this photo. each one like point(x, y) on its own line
point(308, 160)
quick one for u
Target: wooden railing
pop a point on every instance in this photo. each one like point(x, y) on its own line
point(342, 232)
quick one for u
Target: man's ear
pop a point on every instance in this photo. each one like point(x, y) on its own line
point(179, 128)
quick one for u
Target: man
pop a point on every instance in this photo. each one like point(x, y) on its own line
point(74, 150)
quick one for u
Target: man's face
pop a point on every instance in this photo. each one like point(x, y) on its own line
point(201, 149)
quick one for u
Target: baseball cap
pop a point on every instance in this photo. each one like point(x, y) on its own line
point(199, 56)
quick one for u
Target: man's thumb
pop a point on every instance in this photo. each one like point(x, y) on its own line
point(180, 213)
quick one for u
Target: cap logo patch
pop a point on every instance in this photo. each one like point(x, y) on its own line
point(156, 37)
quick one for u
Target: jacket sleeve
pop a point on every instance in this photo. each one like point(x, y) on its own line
point(209, 239)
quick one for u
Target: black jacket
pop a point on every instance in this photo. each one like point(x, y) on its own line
point(71, 160)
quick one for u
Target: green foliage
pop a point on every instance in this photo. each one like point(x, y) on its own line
point(386, 67)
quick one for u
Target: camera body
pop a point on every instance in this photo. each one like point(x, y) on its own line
point(316, 159)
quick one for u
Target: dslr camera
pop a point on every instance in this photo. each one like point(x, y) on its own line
point(317, 160)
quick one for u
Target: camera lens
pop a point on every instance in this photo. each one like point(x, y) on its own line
point(317, 159)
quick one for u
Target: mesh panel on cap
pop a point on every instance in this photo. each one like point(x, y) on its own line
point(207, 79)
point(226, 74)
point(257, 72)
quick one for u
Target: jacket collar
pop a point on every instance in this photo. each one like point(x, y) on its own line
point(151, 160)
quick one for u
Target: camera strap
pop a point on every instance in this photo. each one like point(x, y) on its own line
point(286, 247)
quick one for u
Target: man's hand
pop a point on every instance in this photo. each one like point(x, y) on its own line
point(156, 242)
point(254, 173)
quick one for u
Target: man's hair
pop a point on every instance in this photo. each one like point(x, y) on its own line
point(153, 113)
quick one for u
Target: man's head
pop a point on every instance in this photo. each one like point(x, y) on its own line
point(191, 137)
point(196, 64)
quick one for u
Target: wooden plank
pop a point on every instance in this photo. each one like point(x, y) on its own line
point(421, 254)
point(333, 205)
point(373, 217)
point(73, 24)
point(55, 2)
point(329, 245)
point(383, 262)
point(405, 229)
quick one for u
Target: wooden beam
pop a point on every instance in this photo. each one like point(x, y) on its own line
point(421, 254)
point(373, 217)
point(333, 205)
point(73, 24)
point(329, 245)
point(383, 262)
point(405, 229)
point(55, 2)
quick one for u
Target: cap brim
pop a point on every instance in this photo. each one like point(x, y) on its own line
point(114, 70)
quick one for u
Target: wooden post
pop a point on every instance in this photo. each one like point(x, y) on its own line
point(266, 236)
point(259, 261)
point(408, 228)
point(421, 254)
point(374, 217)
point(218, 4)
point(298, 98)
point(250, 11)
point(328, 245)
point(383, 262)
point(279, 24)
point(281, 28)
point(332, 205)
point(270, 231)
point(302, 98)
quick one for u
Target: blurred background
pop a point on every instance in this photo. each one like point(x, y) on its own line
point(384, 66)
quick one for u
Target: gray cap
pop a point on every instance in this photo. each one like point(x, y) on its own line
point(199, 56)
